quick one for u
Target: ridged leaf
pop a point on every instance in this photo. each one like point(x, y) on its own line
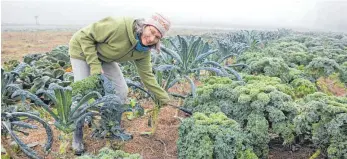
point(235, 73)
point(165, 67)
point(85, 99)
point(192, 85)
point(216, 70)
point(203, 56)
point(172, 53)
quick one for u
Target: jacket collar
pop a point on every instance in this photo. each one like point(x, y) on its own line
point(129, 22)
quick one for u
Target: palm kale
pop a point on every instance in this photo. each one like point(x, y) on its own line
point(10, 122)
point(110, 107)
point(188, 56)
point(61, 55)
point(30, 59)
point(8, 86)
point(10, 65)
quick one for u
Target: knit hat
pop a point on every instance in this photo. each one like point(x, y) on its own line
point(160, 22)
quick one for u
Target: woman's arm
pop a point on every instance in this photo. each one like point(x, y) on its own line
point(144, 68)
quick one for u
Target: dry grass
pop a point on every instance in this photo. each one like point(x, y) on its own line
point(14, 45)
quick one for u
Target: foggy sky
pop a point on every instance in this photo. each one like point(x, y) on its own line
point(318, 14)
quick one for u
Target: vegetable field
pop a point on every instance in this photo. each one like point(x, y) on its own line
point(246, 94)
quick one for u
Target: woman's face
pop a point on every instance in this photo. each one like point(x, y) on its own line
point(150, 35)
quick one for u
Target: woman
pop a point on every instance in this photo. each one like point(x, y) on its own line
point(99, 47)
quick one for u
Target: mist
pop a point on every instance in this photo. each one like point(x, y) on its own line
point(324, 15)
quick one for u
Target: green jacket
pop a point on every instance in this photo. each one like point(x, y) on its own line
point(113, 39)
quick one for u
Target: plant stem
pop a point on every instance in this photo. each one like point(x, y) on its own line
point(316, 154)
point(64, 142)
point(154, 121)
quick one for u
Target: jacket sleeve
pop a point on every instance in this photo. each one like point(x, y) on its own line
point(94, 33)
point(144, 68)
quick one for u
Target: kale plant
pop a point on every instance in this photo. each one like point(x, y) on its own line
point(322, 120)
point(261, 101)
point(212, 136)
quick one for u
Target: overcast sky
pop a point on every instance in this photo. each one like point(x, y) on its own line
point(290, 13)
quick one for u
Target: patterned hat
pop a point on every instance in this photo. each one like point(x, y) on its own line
point(160, 22)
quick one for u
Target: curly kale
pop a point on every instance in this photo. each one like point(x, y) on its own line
point(289, 47)
point(343, 73)
point(99, 83)
point(337, 54)
point(261, 96)
point(341, 58)
point(303, 87)
point(289, 50)
point(108, 153)
point(212, 80)
point(257, 128)
point(319, 57)
point(91, 83)
point(212, 136)
point(337, 150)
point(295, 73)
point(248, 57)
point(268, 82)
point(298, 58)
point(270, 63)
point(323, 121)
point(319, 67)
point(273, 67)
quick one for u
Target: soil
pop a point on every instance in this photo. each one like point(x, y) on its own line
point(161, 145)
point(330, 86)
